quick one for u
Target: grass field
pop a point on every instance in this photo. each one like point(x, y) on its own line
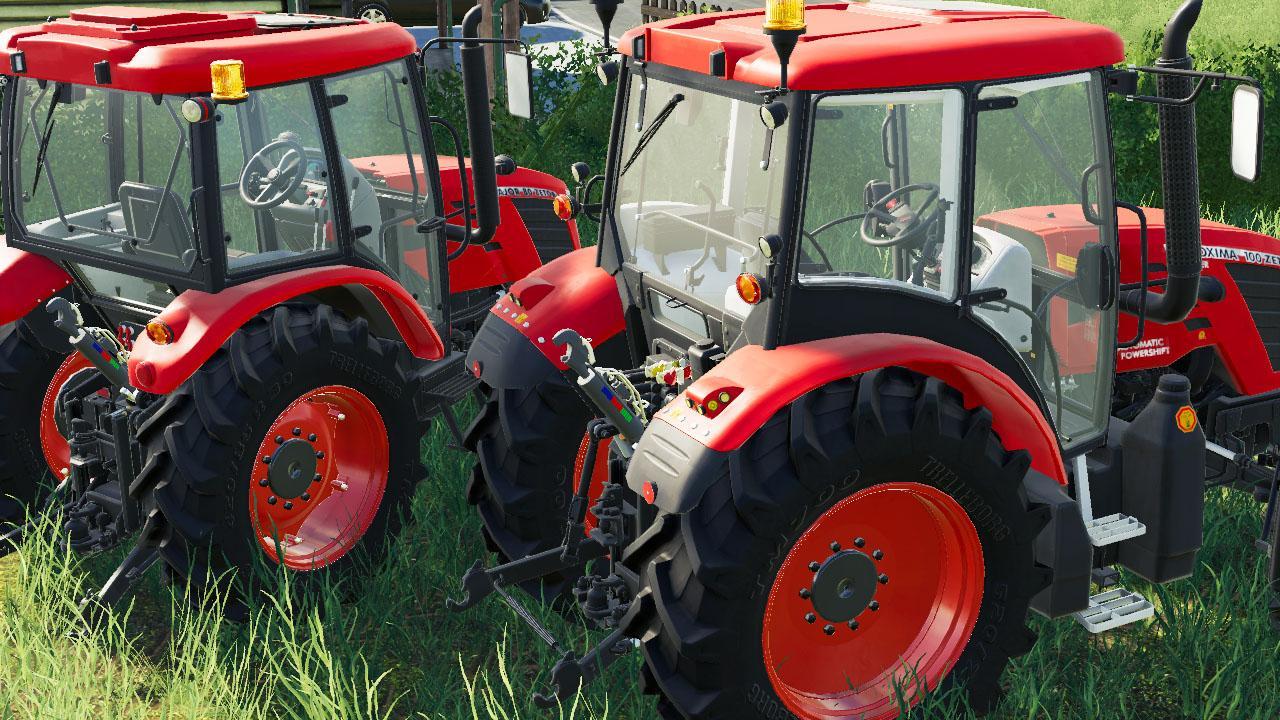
point(393, 651)
point(389, 649)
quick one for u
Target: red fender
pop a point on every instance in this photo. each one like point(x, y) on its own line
point(568, 292)
point(761, 382)
point(202, 322)
point(28, 280)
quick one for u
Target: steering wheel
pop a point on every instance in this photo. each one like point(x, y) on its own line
point(265, 191)
point(889, 223)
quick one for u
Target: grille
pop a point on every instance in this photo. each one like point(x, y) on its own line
point(1260, 287)
point(550, 233)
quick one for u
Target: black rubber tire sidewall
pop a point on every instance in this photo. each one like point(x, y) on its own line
point(26, 372)
point(217, 420)
point(709, 572)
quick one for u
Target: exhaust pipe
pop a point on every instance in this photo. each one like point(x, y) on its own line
point(1180, 167)
point(484, 178)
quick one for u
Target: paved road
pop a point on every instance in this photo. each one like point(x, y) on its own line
point(583, 14)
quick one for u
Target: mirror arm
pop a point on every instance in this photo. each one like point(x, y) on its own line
point(1215, 78)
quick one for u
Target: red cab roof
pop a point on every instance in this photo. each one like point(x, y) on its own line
point(154, 50)
point(884, 44)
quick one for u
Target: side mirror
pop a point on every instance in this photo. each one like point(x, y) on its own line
point(1095, 276)
point(519, 72)
point(1246, 133)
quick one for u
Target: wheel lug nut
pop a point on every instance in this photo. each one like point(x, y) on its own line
point(829, 629)
point(279, 439)
point(288, 506)
point(319, 454)
point(317, 478)
point(879, 554)
point(297, 432)
point(835, 547)
point(263, 482)
point(271, 500)
point(306, 497)
point(810, 618)
point(312, 437)
point(804, 593)
point(874, 605)
point(853, 624)
point(266, 459)
point(884, 579)
point(814, 566)
point(859, 542)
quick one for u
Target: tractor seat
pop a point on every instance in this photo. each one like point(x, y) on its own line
point(141, 204)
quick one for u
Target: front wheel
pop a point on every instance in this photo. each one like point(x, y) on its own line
point(873, 543)
point(297, 443)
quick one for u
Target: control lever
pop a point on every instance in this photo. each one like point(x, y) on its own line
point(99, 346)
point(581, 358)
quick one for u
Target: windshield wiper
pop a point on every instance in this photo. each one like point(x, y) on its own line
point(45, 135)
point(652, 130)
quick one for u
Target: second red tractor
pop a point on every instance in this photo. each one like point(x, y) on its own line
point(870, 359)
point(239, 282)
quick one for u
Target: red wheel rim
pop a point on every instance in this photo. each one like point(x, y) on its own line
point(56, 450)
point(319, 477)
point(927, 593)
point(599, 473)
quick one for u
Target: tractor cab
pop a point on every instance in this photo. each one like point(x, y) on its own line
point(918, 171)
point(155, 151)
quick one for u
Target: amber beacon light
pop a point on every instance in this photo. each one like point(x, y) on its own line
point(784, 23)
point(228, 81)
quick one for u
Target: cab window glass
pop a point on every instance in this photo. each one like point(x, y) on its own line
point(1042, 173)
point(275, 178)
point(884, 182)
point(384, 168)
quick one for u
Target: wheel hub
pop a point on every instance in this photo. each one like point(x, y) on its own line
point(292, 468)
point(843, 586)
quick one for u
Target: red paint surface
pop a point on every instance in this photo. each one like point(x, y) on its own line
point(57, 452)
point(170, 50)
point(771, 379)
point(27, 281)
point(202, 322)
point(857, 46)
point(584, 297)
point(925, 614)
point(1231, 331)
point(599, 475)
point(308, 534)
point(512, 254)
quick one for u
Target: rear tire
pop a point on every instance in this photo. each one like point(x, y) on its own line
point(526, 443)
point(722, 586)
point(301, 366)
point(27, 370)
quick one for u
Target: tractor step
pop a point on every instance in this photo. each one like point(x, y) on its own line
point(1114, 608)
point(1113, 529)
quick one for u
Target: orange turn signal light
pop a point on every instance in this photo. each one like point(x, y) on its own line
point(750, 288)
point(159, 332)
point(563, 205)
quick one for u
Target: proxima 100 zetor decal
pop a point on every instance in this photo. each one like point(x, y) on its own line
point(1231, 254)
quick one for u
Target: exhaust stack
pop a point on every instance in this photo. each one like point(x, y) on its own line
point(1180, 167)
point(475, 91)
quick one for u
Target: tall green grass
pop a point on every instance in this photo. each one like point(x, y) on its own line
point(395, 652)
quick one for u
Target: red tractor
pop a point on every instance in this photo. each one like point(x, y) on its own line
point(267, 276)
point(846, 358)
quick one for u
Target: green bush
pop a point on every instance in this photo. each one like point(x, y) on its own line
point(1136, 130)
